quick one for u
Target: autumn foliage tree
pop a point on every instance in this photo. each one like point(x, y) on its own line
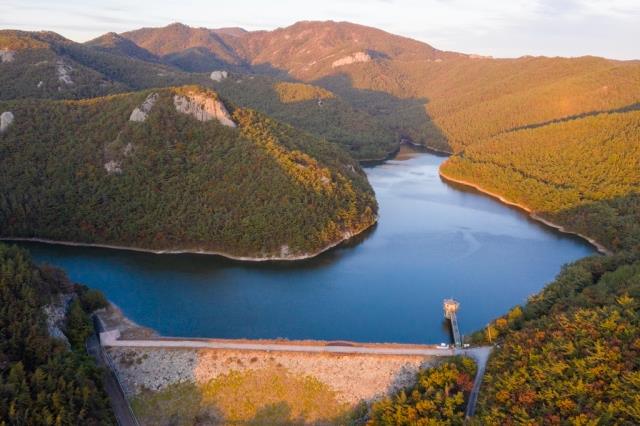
point(438, 397)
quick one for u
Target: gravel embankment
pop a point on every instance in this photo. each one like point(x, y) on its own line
point(353, 377)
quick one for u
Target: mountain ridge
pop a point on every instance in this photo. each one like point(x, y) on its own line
point(491, 95)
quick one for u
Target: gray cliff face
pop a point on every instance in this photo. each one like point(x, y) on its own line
point(203, 108)
point(56, 316)
point(64, 73)
point(218, 75)
point(351, 59)
point(6, 119)
point(7, 55)
point(113, 167)
point(140, 113)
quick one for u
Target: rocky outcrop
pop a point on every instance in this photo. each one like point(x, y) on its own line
point(140, 113)
point(113, 167)
point(474, 56)
point(128, 149)
point(6, 118)
point(203, 107)
point(352, 59)
point(219, 75)
point(56, 314)
point(114, 155)
point(7, 55)
point(64, 71)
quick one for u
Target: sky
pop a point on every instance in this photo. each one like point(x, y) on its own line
point(500, 28)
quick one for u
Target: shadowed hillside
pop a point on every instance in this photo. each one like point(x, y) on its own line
point(115, 43)
point(192, 49)
point(361, 130)
point(46, 65)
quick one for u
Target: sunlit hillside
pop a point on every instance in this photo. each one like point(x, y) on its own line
point(583, 174)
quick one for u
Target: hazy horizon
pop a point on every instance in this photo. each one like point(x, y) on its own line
point(500, 28)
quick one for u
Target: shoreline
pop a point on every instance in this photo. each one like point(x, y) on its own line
point(372, 162)
point(194, 251)
point(599, 247)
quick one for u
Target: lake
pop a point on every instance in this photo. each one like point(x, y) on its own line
point(433, 241)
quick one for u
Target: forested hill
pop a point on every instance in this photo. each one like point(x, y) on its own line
point(175, 169)
point(47, 65)
point(571, 355)
point(42, 381)
point(583, 174)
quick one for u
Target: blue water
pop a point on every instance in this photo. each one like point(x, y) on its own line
point(433, 241)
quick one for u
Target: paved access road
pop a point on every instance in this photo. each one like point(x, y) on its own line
point(481, 355)
point(112, 339)
point(119, 403)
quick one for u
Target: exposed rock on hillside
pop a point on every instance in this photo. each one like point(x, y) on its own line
point(56, 314)
point(64, 73)
point(203, 107)
point(113, 167)
point(474, 56)
point(140, 113)
point(7, 55)
point(219, 75)
point(6, 118)
point(352, 59)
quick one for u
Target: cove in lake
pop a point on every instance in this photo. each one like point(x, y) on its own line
point(432, 241)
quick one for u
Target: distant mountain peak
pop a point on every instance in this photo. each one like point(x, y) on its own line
point(108, 38)
point(306, 49)
point(115, 43)
point(177, 25)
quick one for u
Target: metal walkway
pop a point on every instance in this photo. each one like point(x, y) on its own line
point(456, 331)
